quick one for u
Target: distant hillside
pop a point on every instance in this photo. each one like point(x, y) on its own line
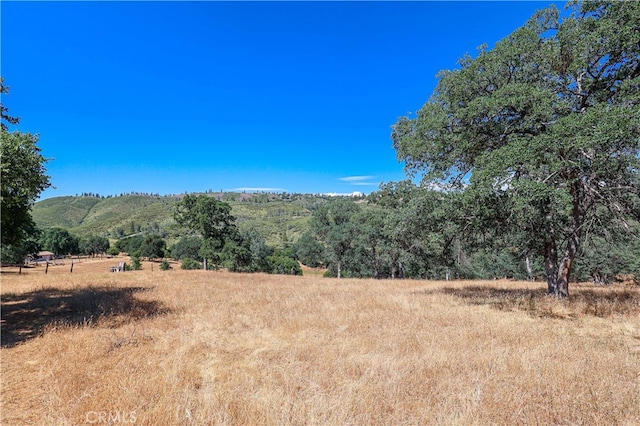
point(112, 216)
point(64, 212)
point(281, 218)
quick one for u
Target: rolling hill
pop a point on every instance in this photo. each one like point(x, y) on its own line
point(280, 218)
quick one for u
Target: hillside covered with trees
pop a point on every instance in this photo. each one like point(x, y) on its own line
point(403, 230)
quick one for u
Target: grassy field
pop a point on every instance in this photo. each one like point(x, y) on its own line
point(194, 347)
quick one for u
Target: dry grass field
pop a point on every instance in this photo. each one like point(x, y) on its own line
point(199, 348)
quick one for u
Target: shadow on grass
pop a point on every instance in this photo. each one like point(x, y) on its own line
point(601, 302)
point(26, 315)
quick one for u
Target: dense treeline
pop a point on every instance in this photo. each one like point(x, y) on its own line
point(407, 231)
point(403, 230)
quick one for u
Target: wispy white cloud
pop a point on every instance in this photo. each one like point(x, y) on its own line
point(359, 180)
point(356, 179)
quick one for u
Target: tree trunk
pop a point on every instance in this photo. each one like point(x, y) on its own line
point(564, 272)
point(204, 263)
point(339, 269)
point(551, 266)
point(559, 283)
point(529, 268)
point(562, 282)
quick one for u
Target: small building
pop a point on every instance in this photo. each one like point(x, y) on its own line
point(45, 256)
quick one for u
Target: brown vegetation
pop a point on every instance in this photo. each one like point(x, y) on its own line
point(194, 347)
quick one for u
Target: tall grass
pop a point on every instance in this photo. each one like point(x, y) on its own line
point(195, 347)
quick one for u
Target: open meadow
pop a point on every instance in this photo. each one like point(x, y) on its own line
point(193, 347)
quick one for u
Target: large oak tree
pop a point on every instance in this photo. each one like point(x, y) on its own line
point(211, 219)
point(544, 128)
point(23, 178)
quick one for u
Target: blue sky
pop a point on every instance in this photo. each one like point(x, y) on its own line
point(173, 97)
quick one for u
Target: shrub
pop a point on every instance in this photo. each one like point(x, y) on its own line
point(135, 265)
point(188, 263)
point(282, 264)
point(113, 251)
point(165, 266)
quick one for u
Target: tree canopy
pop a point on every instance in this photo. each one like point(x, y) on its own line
point(544, 129)
point(22, 179)
point(211, 219)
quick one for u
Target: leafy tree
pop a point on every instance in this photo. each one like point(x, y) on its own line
point(417, 234)
point(283, 262)
point(135, 265)
point(308, 250)
point(601, 259)
point(188, 263)
point(333, 225)
point(372, 238)
point(17, 253)
point(93, 245)
point(22, 179)
point(211, 219)
point(187, 246)
point(545, 128)
point(236, 256)
point(258, 249)
point(153, 247)
point(6, 119)
point(113, 251)
point(131, 245)
point(59, 241)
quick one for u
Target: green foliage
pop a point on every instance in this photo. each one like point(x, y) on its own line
point(17, 253)
point(114, 216)
point(22, 179)
point(258, 249)
point(153, 247)
point(165, 266)
point(187, 246)
point(93, 245)
point(135, 265)
point(113, 251)
point(131, 245)
point(333, 225)
point(210, 218)
point(236, 256)
point(309, 251)
point(188, 263)
point(283, 262)
point(59, 241)
point(125, 215)
point(539, 131)
point(64, 212)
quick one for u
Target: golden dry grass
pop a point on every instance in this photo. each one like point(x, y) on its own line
point(194, 347)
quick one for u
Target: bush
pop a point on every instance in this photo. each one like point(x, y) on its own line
point(329, 274)
point(186, 247)
point(165, 266)
point(282, 264)
point(188, 263)
point(113, 251)
point(135, 265)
